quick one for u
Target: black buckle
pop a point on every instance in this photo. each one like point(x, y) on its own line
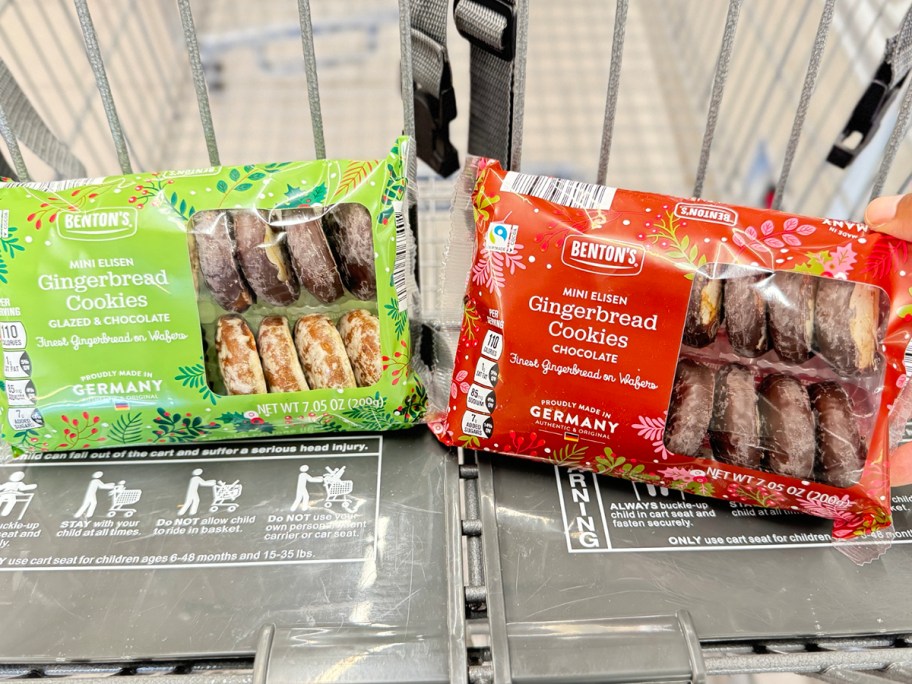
point(432, 126)
point(865, 118)
point(507, 38)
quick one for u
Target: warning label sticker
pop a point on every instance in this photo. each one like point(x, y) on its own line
point(256, 503)
point(606, 515)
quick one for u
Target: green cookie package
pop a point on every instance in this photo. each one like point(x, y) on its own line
point(216, 303)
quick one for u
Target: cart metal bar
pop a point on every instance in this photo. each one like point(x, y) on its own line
point(519, 82)
point(746, 106)
point(310, 73)
point(718, 89)
point(807, 90)
point(806, 662)
point(207, 678)
point(407, 87)
point(458, 656)
point(199, 79)
point(481, 674)
point(896, 138)
point(93, 51)
point(852, 677)
point(264, 646)
point(827, 69)
point(614, 83)
point(899, 673)
point(15, 151)
point(405, 72)
point(86, 110)
point(474, 558)
point(496, 609)
point(117, 68)
point(905, 184)
point(50, 112)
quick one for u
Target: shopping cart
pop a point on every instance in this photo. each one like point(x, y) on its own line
point(121, 498)
point(224, 495)
point(337, 489)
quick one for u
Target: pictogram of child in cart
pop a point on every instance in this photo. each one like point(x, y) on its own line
point(15, 492)
point(337, 489)
point(122, 499)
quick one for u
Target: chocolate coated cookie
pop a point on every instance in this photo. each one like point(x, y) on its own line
point(745, 313)
point(264, 259)
point(704, 311)
point(350, 231)
point(218, 262)
point(840, 450)
point(846, 326)
point(734, 431)
point(787, 426)
point(791, 301)
point(690, 409)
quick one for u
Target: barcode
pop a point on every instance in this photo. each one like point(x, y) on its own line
point(560, 191)
point(55, 186)
point(401, 264)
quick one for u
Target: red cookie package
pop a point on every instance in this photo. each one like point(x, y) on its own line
point(743, 354)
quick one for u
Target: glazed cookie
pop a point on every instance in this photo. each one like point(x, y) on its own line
point(734, 432)
point(745, 314)
point(264, 260)
point(840, 451)
point(360, 331)
point(322, 353)
point(787, 426)
point(217, 252)
point(690, 408)
point(846, 326)
point(310, 254)
point(351, 236)
point(280, 359)
point(704, 311)
point(237, 357)
point(791, 300)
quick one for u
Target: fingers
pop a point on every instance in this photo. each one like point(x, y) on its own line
point(892, 215)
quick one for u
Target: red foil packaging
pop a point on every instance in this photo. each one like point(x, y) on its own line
point(738, 353)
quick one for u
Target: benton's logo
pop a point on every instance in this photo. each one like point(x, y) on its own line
point(98, 224)
point(605, 257)
point(712, 213)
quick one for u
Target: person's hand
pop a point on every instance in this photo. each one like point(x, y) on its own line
point(892, 215)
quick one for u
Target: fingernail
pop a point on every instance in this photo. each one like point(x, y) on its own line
point(882, 210)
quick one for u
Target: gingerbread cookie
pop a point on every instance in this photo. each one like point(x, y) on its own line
point(846, 326)
point(791, 298)
point(322, 353)
point(264, 259)
point(704, 311)
point(840, 449)
point(310, 254)
point(745, 313)
point(237, 357)
point(734, 432)
point(217, 252)
point(360, 331)
point(279, 356)
point(350, 231)
point(690, 409)
point(787, 426)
